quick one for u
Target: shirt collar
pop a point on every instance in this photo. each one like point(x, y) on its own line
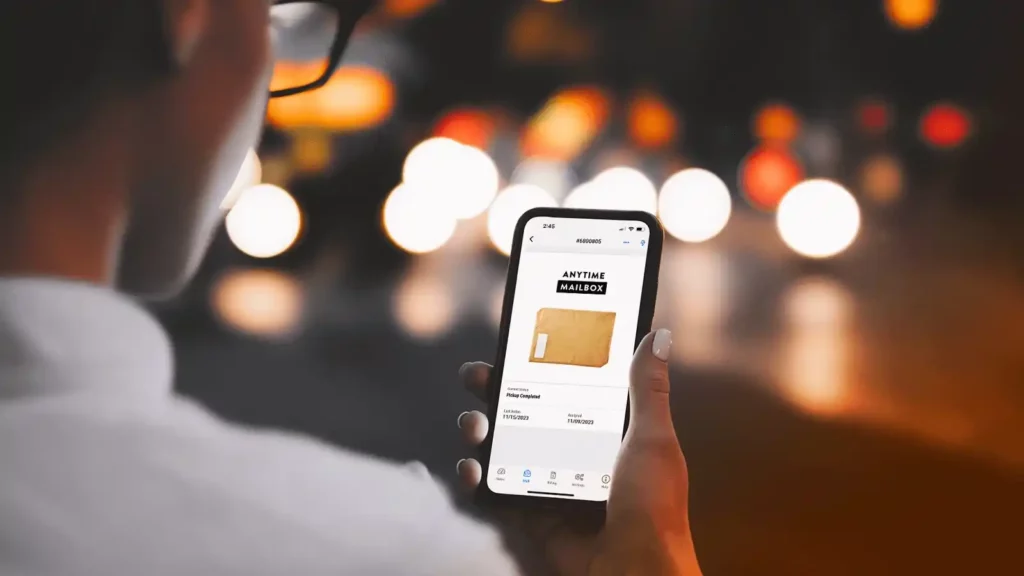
point(65, 337)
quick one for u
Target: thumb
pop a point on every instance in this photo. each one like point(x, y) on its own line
point(649, 385)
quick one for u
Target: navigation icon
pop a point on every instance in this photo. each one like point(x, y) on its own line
point(501, 471)
point(606, 479)
point(553, 475)
point(527, 473)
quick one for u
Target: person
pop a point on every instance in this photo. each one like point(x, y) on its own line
point(124, 123)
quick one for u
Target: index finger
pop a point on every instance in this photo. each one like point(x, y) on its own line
point(475, 377)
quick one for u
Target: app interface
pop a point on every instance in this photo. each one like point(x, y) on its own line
point(565, 382)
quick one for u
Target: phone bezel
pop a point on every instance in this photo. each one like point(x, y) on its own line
point(584, 511)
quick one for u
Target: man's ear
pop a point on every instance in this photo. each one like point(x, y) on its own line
point(185, 25)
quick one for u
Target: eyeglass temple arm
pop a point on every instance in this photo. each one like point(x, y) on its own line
point(295, 42)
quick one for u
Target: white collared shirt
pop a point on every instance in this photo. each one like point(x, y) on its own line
point(105, 472)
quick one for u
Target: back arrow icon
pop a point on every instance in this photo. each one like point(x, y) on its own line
point(531, 238)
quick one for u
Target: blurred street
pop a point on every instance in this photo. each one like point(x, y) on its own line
point(860, 416)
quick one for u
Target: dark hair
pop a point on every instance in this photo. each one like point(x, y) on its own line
point(58, 57)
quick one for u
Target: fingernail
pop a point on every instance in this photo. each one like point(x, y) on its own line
point(662, 344)
point(459, 421)
point(463, 368)
point(458, 466)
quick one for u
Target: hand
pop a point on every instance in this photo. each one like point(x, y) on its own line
point(647, 530)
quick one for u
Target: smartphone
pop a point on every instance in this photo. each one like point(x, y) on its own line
point(579, 298)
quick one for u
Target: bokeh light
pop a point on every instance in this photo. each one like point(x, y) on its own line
point(555, 177)
point(651, 121)
point(533, 34)
point(698, 291)
point(766, 174)
point(355, 98)
point(424, 305)
point(265, 303)
point(462, 179)
point(468, 126)
point(815, 367)
point(776, 123)
point(694, 205)
point(911, 14)
point(249, 175)
point(583, 197)
point(311, 150)
point(881, 179)
point(508, 207)
point(874, 117)
point(566, 124)
point(407, 8)
point(821, 148)
point(945, 126)
point(415, 221)
point(818, 219)
point(264, 222)
point(618, 188)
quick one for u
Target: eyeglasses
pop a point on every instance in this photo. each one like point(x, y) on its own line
point(308, 38)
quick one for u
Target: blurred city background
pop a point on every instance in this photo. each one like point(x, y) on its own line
point(844, 268)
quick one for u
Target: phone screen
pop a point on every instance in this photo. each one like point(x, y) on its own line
point(564, 385)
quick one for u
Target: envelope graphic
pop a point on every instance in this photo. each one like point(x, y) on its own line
point(573, 337)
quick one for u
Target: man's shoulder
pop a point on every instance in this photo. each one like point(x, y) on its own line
point(184, 438)
point(192, 477)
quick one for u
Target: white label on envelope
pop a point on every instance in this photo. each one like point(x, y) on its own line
point(542, 344)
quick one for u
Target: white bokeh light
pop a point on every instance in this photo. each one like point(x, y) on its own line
point(694, 205)
point(618, 188)
point(508, 207)
point(265, 303)
point(818, 218)
point(815, 359)
point(424, 306)
point(582, 196)
point(464, 179)
point(555, 177)
point(415, 221)
point(264, 222)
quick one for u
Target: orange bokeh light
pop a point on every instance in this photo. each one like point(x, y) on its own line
point(874, 117)
point(651, 121)
point(767, 173)
point(311, 150)
point(911, 14)
point(945, 126)
point(776, 123)
point(407, 8)
point(355, 98)
point(566, 124)
point(467, 126)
